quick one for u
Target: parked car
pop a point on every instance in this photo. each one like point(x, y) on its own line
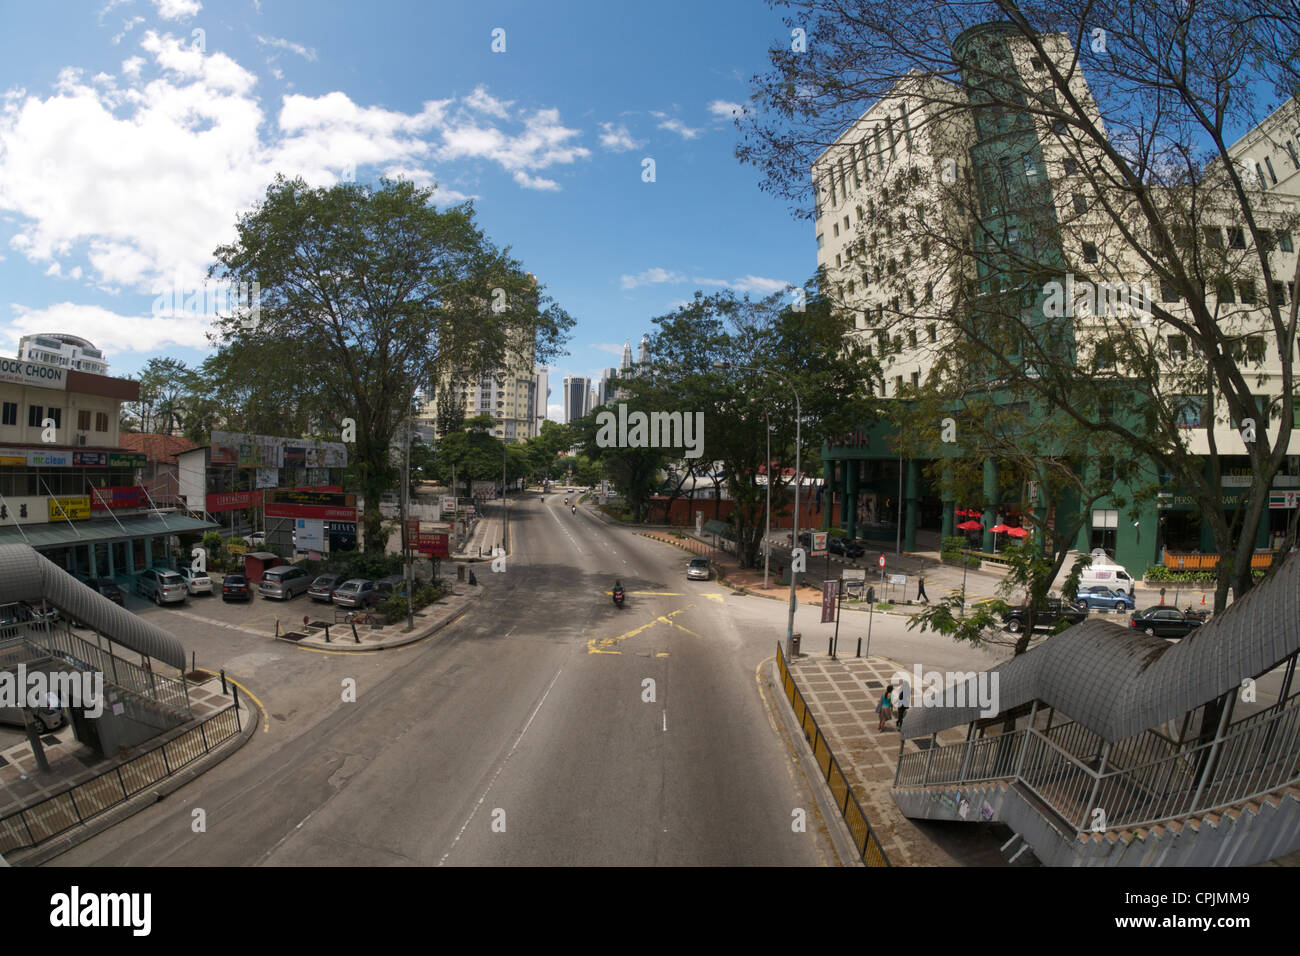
point(234, 587)
point(256, 540)
point(1100, 597)
point(284, 582)
point(105, 586)
point(161, 585)
point(356, 592)
point(387, 587)
point(45, 718)
point(1056, 609)
point(196, 582)
point(848, 549)
point(322, 589)
point(1164, 622)
point(699, 569)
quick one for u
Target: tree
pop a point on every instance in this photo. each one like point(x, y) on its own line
point(368, 298)
point(1005, 126)
point(167, 387)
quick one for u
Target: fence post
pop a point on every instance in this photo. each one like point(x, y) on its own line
point(224, 689)
point(120, 782)
point(77, 809)
point(203, 734)
point(166, 765)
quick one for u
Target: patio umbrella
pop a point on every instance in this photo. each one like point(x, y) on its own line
point(969, 526)
point(998, 529)
point(1018, 532)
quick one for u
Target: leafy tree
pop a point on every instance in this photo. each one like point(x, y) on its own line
point(1145, 148)
point(368, 297)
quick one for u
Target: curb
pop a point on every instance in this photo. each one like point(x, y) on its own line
point(351, 648)
point(164, 788)
point(841, 836)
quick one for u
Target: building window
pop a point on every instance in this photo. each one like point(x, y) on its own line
point(83, 420)
point(1168, 291)
point(1187, 410)
point(1247, 289)
point(1279, 293)
point(1236, 237)
point(916, 379)
point(1259, 171)
point(839, 261)
point(934, 332)
point(1035, 64)
point(898, 385)
point(850, 287)
point(1089, 252)
point(1071, 167)
point(1080, 204)
point(1271, 175)
point(1284, 242)
point(1027, 160)
point(821, 239)
point(836, 227)
point(911, 338)
point(1290, 151)
point(1177, 348)
point(860, 217)
point(10, 414)
point(34, 415)
point(1213, 237)
point(1105, 355)
point(1223, 290)
point(846, 224)
point(929, 296)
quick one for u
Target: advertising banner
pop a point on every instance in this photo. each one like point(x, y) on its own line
point(483, 489)
point(11, 460)
point(324, 512)
point(296, 496)
point(90, 459)
point(830, 591)
point(74, 509)
point(309, 534)
point(447, 504)
point(126, 460)
point(434, 544)
point(818, 543)
point(19, 372)
point(132, 496)
point(268, 478)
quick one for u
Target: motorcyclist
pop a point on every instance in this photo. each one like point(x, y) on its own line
point(573, 509)
point(618, 592)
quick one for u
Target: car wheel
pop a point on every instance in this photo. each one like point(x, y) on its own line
point(1014, 625)
point(1150, 632)
point(157, 598)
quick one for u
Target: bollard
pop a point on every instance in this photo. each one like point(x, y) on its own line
point(327, 633)
point(224, 689)
point(277, 627)
point(355, 639)
point(235, 687)
point(830, 647)
point(859, 653)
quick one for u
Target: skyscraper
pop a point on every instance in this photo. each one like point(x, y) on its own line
point(576, 397)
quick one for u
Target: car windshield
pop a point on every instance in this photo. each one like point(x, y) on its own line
point(169, 578)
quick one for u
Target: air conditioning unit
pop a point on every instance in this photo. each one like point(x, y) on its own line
point(81, 438)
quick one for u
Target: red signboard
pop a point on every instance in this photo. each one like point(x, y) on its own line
point(119, 497)
point(233, 501)
point(433, 543)
point(830, 591)
point(324, 512)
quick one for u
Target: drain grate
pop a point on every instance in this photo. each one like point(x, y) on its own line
point(292, 636)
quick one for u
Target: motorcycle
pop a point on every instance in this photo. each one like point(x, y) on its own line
point(618, 597)
point(573, 510)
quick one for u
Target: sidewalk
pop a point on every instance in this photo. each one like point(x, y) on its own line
point(842, 696)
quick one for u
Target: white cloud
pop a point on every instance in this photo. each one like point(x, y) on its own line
point(535, 182)
point(177, 9)
point(617, 139)
point(109, 330)
point(610, 347)
point(725, 109)
point(481, 101)
point(650, 277)
point(280, 43)
point(127, 27)
point(543, 142)
point(674, 125)
point(749, 283)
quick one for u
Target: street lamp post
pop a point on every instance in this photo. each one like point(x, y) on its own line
point(767, 533)
point(798, 480)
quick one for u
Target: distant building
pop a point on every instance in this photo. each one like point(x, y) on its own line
point(67, 351)
point(577, 395)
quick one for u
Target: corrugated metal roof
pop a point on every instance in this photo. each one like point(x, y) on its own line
point(28, 576)
point(1119, 682)
point(55, 533)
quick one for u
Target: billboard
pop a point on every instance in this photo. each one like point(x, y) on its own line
point(19, 372)
point(132, 496)
point(268, 478)
point(432, 543)
point(232, 501)
point(90, 459)
point(269, 451)
point(309, 534)
point(74, 509)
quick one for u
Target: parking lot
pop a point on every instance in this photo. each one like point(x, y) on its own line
point(258, 615)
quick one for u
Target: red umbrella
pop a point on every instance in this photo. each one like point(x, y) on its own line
point(1000, 529)
point(969, 526)
point(1018, 532)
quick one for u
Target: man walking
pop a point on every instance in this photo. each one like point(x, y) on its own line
point(920, 590)
point(903, 700)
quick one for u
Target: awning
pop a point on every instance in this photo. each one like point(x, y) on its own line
point(58, 533)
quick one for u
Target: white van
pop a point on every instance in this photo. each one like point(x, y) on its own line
point(1105, 572)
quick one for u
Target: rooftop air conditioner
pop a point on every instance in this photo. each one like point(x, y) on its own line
point(81, 438)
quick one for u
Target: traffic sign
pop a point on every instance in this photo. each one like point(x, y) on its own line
point(881, 561)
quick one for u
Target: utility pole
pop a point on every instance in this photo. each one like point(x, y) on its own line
point(406, 543)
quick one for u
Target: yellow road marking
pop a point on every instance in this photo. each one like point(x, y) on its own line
point(266, 727)
point(651, 593)
point(595, 644)
point(714, 597)
point(662, 654)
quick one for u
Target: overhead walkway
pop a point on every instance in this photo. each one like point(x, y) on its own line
point(1114, 748)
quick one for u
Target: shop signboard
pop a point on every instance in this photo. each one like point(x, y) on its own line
point(19, 372)
point(90, 459)
point(434, 544)
point(309, 534)
point(73, 509)
point(131, 496)
point(126, 460)
point(218, 502)
point(49, 459)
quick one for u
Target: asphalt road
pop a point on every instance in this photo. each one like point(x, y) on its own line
point(545, 727)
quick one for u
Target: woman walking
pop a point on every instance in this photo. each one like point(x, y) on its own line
point(885, 707)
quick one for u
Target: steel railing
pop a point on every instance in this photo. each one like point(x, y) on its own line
point(58, 813)
point(864, 837)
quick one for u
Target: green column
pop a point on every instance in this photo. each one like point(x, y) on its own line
point(949, 507)
point(913, 494)
point(148, 552)
point(990, 500)
point(851, 498)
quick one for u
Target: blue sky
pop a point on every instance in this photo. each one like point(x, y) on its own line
point(133, 131)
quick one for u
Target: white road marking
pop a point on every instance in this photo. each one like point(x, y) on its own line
point(488, 790)
point(665, 721)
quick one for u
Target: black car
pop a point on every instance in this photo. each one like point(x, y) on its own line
point(848, 548)
point(1055, 611)
point(1164, 622)
point(235, 588)
point(105, 586)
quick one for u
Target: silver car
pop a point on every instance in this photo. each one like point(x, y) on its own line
point(161, 585)
point(196, 582)
point(285, 582)
point(699, 570)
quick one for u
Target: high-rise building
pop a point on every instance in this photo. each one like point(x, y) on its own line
point(577, 390)
point(514, 398)
point(66, 351)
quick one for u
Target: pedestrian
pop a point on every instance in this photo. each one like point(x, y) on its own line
point(884, 708)
point(904, 698)
point(920, 590)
